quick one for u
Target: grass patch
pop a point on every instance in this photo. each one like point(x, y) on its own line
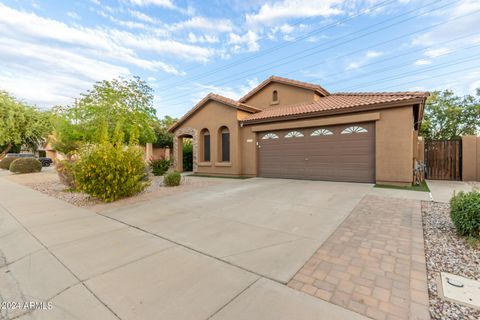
point(214, 176)
point(422, 187)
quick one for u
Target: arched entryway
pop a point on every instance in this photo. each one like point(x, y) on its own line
point(185, 140)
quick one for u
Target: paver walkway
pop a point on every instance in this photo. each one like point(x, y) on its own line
point(374, 263)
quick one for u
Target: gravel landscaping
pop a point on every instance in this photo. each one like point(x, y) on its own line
point(447, 252)
point(47, 182)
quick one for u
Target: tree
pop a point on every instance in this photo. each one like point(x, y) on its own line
point(448, 116)
point(118, 107)
point(164, 138)
point(21, 124)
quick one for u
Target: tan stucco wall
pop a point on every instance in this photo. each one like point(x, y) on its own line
point(394, 147)
point(471, 158)
point(213, 116)
point(286, 95)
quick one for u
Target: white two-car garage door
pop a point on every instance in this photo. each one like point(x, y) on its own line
point(333, 153)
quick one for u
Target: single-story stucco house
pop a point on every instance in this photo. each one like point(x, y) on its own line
point(290, 129)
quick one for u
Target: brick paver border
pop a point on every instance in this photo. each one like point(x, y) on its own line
point(374, 263)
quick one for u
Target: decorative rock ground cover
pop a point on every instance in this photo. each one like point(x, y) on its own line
point(447, 252)
point(48, 183)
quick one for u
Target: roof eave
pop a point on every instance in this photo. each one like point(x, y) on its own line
point(368, 107)
point(210, 96)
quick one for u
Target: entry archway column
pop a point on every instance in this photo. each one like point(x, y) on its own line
point(178, 147)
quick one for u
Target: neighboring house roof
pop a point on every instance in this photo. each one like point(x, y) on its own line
point(305, 85)
point(337, 103)
point(214, 97)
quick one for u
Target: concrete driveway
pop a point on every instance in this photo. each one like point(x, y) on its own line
point(267, 226)
point(222, 252)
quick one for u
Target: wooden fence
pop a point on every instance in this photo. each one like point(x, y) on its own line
point(443, 159)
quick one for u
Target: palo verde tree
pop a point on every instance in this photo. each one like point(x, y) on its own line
point(448, 116)
point(119, 105)
point(21, 124)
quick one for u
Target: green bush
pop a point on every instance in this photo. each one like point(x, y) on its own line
point(110, 172)
point(5, 163)
point(160, 166)
point(25, 165)
point(172, 179)
point(465, 213)
point(187, 157)
point(65, 171)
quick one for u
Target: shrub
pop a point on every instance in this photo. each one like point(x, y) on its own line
point(110, 172)
point(172, 179)
point(65, 171)
point(187, 157)
point(160, 166)
point(25, 165)
point(465, 213)
point(5, 163)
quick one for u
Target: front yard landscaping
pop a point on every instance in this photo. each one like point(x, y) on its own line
point(446, 251)
point(48, 183)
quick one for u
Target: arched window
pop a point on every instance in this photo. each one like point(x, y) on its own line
point(205, 145)
point(224, 144)
point(321, 132)
point(354, 129)
point(275, 96)
point(270, 136)
point(294, 134)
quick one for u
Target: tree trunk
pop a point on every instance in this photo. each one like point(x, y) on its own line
point(5, 151)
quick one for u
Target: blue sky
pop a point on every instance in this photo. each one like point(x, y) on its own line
point(51, 51)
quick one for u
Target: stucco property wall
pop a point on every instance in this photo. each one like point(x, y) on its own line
point(471, 158)
point(286, 95)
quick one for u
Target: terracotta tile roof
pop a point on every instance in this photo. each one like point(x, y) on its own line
point(339, 102)
point(215, 97)
point(296, 83)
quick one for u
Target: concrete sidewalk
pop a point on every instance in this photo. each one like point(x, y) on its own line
point(92, 267)
point(443, 190)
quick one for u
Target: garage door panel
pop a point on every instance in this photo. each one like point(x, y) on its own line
point(335, 157)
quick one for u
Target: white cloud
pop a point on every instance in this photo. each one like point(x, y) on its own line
point(433, 53)
point(47, 62)
point(286, 28)
point(271, 13)
point(422, 62)
point(249, 40)
point(108, 42)
point(202, 39)
point(373, 54)
point(68, 73)
point(369, 55)
point(235, 92)
point(460, 25)
point(160, 3)
point(160, 46)
point(73, 15)
point(143, 17)
point(201, 23)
